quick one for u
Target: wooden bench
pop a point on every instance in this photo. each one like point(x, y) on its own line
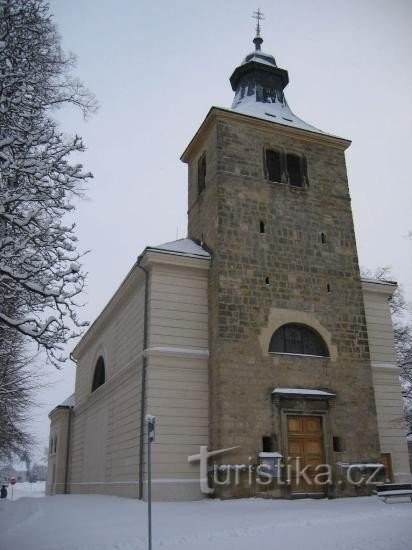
point(389, 490)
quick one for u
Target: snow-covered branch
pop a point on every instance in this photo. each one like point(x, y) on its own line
point(40, 269)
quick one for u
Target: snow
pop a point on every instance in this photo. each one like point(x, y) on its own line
point(95, 522)
point(378, 281)
point(260, 57)
point(270, 455)
point(26, 489)
point(183, 247)
point(360, 464)
point(301, 391)
point(395, 492)
point(278, 112)
point(69, 402)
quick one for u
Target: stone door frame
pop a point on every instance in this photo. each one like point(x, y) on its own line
point(304, 407)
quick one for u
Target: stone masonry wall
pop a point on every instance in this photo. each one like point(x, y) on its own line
point(300, 267)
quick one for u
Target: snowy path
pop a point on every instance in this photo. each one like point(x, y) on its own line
point(74, 522)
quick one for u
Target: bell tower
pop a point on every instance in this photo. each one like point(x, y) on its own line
point(268, 197)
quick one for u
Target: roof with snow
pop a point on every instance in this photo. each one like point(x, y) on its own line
point(68, 402)
point(258, 84)
point(378, 281)
point(181, 247)
point(277, 111)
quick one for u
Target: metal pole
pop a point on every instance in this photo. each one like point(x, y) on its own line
point(149, 489)
point(150, 421)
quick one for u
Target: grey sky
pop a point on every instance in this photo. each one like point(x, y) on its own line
point(157, 67)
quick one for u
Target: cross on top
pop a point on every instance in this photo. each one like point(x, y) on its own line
point(259, 16)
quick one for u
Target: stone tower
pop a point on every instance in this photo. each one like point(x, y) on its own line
point(289, 365)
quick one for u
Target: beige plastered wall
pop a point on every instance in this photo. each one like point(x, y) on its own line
point(391, 424)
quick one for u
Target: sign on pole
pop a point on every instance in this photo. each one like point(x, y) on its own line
point(12, 483)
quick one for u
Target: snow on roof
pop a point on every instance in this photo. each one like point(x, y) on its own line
point(69, 402)
point(302, 391)
point(278, 112)
point(270, 455)
point(182, 247)
point(378, 281)
point(260, 57)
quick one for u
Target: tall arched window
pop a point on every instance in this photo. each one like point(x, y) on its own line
point(99, 375)
point(299, 340)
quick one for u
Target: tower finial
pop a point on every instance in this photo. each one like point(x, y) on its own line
point(259, 16)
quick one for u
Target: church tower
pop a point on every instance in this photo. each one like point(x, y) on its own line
point(289, 365)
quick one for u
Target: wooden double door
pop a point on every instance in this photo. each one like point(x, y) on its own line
point(305, 452)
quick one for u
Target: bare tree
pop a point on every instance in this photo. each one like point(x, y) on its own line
point(17, 384)
point(40, 271)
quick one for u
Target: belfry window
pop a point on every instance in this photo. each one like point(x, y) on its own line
point(294, 169)
point(99, 376)
point(273, 165)
point(297, 339)
point(201, 173)
point(286, 168)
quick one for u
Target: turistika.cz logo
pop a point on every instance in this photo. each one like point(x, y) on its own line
point(289, 472)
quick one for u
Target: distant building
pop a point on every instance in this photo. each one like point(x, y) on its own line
point(255, 332)
point(7, 472)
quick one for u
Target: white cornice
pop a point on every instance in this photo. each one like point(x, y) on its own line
point(379, 287)
point(177, 352)
point(385, 366)
point(152, 256)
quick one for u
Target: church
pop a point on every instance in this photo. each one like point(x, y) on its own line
point(255, 337)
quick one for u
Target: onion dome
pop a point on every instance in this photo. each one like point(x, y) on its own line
point(259, 86)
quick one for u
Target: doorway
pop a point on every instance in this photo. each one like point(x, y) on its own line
point(305, 449)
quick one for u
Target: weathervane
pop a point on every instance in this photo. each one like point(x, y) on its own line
point(259, 16)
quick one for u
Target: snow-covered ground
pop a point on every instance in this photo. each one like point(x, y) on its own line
point(74, 522)
point(26, 489)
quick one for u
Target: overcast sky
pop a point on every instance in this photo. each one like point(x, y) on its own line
point(156, 69)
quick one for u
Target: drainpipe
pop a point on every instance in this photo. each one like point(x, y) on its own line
point(144, 376)
point(69, 433)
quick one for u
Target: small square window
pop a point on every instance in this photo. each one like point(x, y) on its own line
point(338, 445)
point(267, 444)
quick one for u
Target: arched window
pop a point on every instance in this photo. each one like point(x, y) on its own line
point(99, 375)
point(299, 340)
